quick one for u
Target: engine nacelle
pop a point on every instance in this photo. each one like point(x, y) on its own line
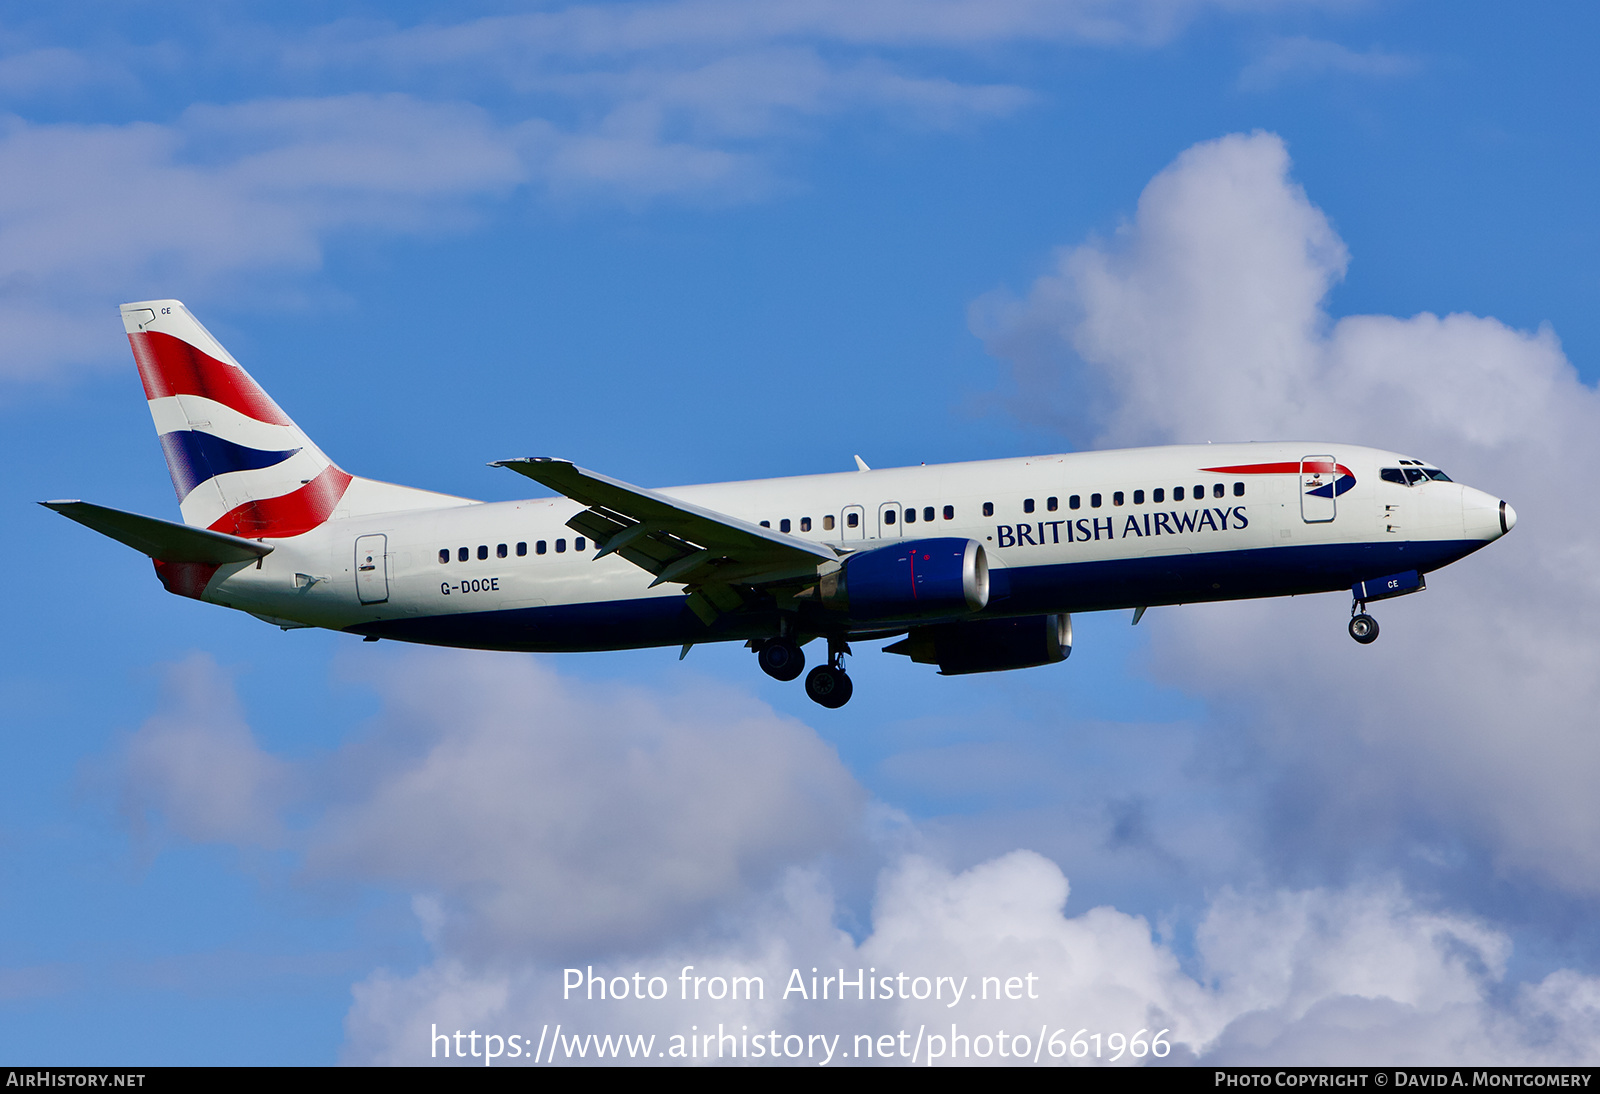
point(910, 579)
point(989, 645)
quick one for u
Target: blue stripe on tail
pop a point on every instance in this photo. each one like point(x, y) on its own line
point(193, 457)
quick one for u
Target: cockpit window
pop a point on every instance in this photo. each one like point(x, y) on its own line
point(1393, 474)
point(1436, 475)
point(1415, 475)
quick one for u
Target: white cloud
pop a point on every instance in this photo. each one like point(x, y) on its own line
point(197, 768)
point(1361, 975)
point(538, 826)
point(1303, 58)
point(1204, 318)
point(526, 815)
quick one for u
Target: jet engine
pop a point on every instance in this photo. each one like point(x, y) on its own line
point(989, 645)
point(910, 579)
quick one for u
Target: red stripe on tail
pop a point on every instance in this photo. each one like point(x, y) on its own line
point(185, 578)
point(171, 366)
point(289, 514)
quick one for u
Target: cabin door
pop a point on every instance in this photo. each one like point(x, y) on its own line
point(1319, 477)
point(372, 569)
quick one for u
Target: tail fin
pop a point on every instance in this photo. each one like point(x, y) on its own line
point(238, 463)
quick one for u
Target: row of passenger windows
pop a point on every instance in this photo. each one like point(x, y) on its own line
point(853, 519)
point(501, 550)
point(785, 524)
point(928, 513)
point(1158, 496)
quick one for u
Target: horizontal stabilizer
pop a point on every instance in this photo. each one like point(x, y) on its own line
point(161, 539)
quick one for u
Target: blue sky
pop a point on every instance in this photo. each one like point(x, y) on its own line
point(684, 242)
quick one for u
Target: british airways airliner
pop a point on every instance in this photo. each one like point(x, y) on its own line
point(974, 567)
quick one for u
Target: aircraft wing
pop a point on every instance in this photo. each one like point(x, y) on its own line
point(161, 539)
point(676, 541)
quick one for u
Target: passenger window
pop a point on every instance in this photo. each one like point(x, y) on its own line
point(1074, 502)
point(888, 516)
point(805, 524)
point(1217, 490)
point(949, 512)
point(501, 551)
point(766, 524)
point(1116, 498)
point(927, 513)
point(522, 549)
point(988, 508)
point(827, 522)
point(1177, 493)
point(1238, 489)
point(1051, 504)
point(580, 544)
point(539, 548)
point(561, 546)
point(1094, 501)
point(444, 556)
point(1027, 505)
point(783, 525)
point(1138, 497)
point(1200, 492)
point(1158, 496)
point(853, 520)
point(464, 553)
point(483, 551)
point(911, 516)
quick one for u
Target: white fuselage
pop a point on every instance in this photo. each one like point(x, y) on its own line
point(1062, 533)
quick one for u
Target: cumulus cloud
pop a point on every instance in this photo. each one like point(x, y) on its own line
point(196, 767)
point(1361, 975)
point(524, 814)
point(539, 828)
point(1469, 728)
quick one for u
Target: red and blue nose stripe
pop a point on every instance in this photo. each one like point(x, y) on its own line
point(1344, 478)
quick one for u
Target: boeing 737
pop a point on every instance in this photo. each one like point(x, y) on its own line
point(974, 567)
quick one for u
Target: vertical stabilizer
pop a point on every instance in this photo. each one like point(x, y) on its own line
point(238, 463)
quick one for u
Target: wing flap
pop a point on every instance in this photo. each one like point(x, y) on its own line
point(161, 539)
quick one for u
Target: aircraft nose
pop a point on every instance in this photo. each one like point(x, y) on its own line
point(1508, 518)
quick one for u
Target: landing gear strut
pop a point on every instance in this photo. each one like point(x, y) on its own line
point(1363, 628)
point(829, 685)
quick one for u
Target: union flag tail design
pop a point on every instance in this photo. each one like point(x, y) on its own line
point(238, 463)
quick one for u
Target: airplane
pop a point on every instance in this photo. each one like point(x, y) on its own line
point(973, 567)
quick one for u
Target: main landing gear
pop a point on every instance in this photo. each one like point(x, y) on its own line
point(781, 659)
point(827, 685)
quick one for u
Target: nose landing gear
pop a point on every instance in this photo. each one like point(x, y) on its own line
point(1363, 628)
